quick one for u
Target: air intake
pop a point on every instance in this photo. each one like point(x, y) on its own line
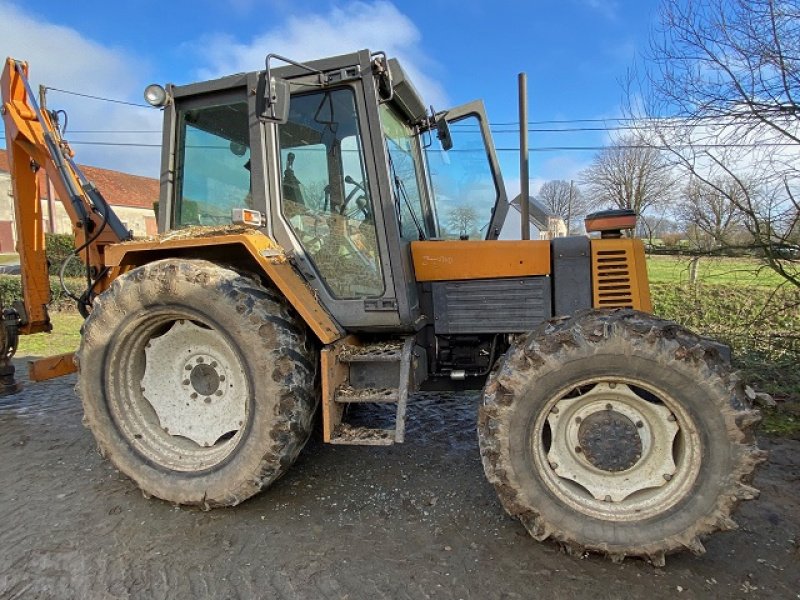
point(613, 274)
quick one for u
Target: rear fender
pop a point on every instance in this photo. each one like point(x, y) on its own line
point(243, 248)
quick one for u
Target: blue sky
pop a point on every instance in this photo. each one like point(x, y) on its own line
point(575, 52)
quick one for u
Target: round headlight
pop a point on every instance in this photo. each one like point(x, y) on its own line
point(155, 95)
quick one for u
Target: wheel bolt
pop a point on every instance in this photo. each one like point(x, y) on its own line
point(188, 367)
point(193, 395)
point(578, 420)
point(578, 449)
point(671, 418)
point(222, 377)
point(218, 392)
point(639, 424)
point(213, 363)
point(199, 359)
point(554, 465)
point(207, 400)
point(554, 410)
point(609, 407)
point(667, 476)
point(166, 430)
point(185, 382)
point(607, 499)
point(612, 385)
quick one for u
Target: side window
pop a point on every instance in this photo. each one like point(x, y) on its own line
point(401, 150)
point(213, 164)
point(325, 196)
point(463, 184)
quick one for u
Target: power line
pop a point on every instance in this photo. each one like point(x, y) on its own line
point(90, 96)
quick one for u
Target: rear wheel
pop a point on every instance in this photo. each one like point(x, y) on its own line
point(197, 382)
point(618, 432)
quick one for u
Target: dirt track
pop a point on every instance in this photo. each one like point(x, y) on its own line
point(411, 521)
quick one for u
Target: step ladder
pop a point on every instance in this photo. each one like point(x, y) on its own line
point(355, 373)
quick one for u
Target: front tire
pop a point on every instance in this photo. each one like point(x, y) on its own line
point(197, 382)
point(619, 433)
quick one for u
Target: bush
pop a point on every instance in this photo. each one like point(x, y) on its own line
point(58, 247)
point(11, 289)
point(761, 325)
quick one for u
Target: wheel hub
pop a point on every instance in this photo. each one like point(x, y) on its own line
point(195, 383)
point(609, 441)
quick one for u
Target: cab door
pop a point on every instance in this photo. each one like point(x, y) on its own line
point(468, 193)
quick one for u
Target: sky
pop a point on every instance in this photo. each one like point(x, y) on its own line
point(576, 54)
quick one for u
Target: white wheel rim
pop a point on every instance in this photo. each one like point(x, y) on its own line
point(193, 381)
point(639, 455)
point(147, 395)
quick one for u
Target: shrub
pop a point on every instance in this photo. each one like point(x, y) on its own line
point(11, 289)
point(58, 247)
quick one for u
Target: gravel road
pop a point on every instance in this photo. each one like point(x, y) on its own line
point(417, 520)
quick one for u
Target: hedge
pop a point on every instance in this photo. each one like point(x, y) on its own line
point(58, 246)
point(11, 289)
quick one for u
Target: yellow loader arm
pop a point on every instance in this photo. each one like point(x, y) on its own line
point(33, 142)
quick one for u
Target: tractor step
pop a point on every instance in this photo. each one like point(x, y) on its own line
point(347, 394)
point(346, 434)
point(383, 352)
point(356, 373)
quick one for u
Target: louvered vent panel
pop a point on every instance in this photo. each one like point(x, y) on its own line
point(613, 273)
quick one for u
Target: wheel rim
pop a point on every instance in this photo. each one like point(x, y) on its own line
point(178, 390)
point(616, 449)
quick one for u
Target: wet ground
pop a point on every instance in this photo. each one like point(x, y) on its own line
point(416, 520)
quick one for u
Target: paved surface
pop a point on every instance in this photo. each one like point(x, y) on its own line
point(411, 521)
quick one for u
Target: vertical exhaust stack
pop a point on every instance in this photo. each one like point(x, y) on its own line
point(524, 170)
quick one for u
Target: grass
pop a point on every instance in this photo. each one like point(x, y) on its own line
point(9, 259)
point(65, 336)
point(745, 306)
point(716, 270)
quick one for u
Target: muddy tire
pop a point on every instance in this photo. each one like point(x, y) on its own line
point(619, 433)
point(197, 382)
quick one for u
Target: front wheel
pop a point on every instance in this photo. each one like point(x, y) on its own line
point(620, 433)
point(197, 382)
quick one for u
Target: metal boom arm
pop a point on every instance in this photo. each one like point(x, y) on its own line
point(33, 143)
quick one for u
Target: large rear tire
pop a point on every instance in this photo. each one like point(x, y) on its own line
point(619, 433)
point(197, 382)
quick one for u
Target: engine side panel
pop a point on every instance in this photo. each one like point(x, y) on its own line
point(490, 305)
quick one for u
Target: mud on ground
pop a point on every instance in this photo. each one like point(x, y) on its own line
point(417, 520)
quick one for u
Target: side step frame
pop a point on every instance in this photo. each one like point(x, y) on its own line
point(335, 361)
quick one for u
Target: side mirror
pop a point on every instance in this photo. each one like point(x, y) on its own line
point(276, 101)
point(443, 133)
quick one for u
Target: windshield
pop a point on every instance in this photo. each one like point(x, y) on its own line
point(213, 171)
point(401, 146)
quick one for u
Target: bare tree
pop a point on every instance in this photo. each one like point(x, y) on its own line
point(730, 71)
point(628, 174)
point(563, 199)
point(462, 222)
point(712, 219)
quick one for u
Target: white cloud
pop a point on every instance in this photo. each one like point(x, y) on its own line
point(607, 8)
point(61, 57)
point(377, 25)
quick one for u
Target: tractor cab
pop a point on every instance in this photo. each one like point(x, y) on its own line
point(353, 170)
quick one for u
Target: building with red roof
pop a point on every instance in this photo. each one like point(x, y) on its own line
point(132, 197)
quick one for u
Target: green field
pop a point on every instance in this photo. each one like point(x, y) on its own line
point(739, 272)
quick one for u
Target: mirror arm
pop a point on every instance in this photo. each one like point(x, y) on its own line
point(271, 92)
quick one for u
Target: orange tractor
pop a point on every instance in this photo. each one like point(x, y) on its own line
point(328, 242)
